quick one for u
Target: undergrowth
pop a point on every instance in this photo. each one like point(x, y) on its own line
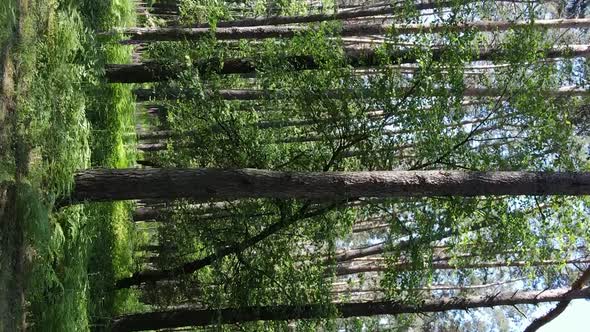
point(66, 119)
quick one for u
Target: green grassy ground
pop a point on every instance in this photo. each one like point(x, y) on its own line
point(57, 116)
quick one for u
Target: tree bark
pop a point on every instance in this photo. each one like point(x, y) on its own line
point(344, 15)
point(446, 265)
point(156, 71)
point(149, 163)
point(145, 214)
point(152, 147)
point(254, 94)
point(368, 228)
point(187, 317)
point(214, 184)
point(156, 134)
point(262, 32)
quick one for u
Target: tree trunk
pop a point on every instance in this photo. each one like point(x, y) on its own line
point(367, 228)
point(155, 71)
point(148, 163)
point(145, 214)
point(262, 32)
point(214, 184)
point(446, 265)
point(252, 94)
point(187, 317)
point(344, 15)
point(346, 287)
point(152, 147)
point(156, 134)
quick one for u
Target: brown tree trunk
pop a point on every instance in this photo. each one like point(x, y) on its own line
point(187, 317)
point(262, 32)
point(215, 184)
point(145, 214)
point(403, 245)
point(155, 71)
point(156, 134)
point(152, 147)
point(446, 265)
point(252, 94)
point(371, 227)
point(344, 15)
point(148, 163)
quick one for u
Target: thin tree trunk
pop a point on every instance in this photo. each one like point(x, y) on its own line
point(446, 265)
point(402, 245)
point(156, 134)
point(148, 163)
point(166, 134)
point(190, 267)
point(345, 287)
point(152, 147)
point(361, 12)
point(253, 94)
point(145, 214)
point(155, 71)
point(213, 184)
point(368, 228)
point(262, 32)
point(187, 317)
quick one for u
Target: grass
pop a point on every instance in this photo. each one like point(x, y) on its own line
point(60, 117)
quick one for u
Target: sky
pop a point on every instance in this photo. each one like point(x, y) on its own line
point(573, 319)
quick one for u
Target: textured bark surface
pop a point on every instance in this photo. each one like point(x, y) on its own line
point(344, 15)
point(446, 265)
point(361, 252)
point(215, 184)
point(145, 214)
point(187, 317)
point(262, 32)
point(250, 94)
point(369, 228)
point(155, 71)
point(156, 134)
point(152, 147)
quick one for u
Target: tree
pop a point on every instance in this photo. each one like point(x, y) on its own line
point(251, 94)
point(155, 71)
point(187, 317)
point(282, 251)
point(262, 32)
point(357, 13)
point(208, 184)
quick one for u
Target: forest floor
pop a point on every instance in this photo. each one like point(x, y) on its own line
point(12, 244)
point(57, 115)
